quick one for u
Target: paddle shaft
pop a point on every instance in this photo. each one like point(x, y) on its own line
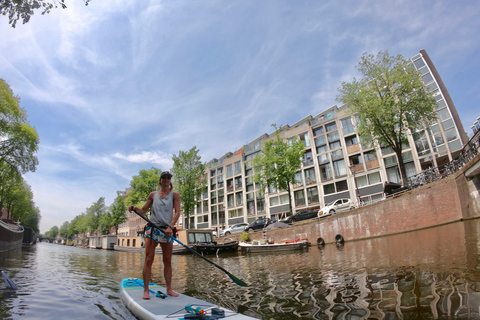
point(190, 249)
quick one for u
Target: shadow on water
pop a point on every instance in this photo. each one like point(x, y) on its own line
point(428, 274)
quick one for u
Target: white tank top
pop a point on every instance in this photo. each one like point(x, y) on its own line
point(162, 210)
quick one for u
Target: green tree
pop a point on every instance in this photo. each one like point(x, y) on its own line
point(63, 231)
point(52, 233)
point(105, 223)
point(389, 102)
point(188, 178)
point(118, 211)
point(24, 9)
point(19, 141)
point(94, 214)
point(142, 185)
point(278, 164)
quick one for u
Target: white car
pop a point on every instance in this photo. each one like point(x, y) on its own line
point(236, 228)
point(335, 207)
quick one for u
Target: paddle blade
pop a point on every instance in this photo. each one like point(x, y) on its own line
point(238, 281)
point(9, 282)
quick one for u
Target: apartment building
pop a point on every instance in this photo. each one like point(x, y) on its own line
point(335, 165)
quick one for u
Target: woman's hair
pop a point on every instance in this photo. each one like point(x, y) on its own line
point(160, 184)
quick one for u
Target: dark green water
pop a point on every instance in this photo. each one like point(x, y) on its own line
point(428, 274)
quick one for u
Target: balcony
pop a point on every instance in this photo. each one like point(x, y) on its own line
point(353, 148)
point(357, 168)
point(372, 164)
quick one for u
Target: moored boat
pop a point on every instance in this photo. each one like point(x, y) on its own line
point(29, 237)
point(265, 246)
point(11, 235)
point(216, 248)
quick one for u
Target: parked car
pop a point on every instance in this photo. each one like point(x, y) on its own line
point(260, 223)
point(236, 228)
point(336, 207)
point(300, 216)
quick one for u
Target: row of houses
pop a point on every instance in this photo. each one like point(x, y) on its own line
point(335, 164)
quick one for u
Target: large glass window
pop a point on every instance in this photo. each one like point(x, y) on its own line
point(312, 196)
point(347, 125)
point(260, 205)
point(318, 130)
point(230, 201)
point(305, 139)
point(238, 183)
point(299, 198)
point(451, 134)
point(443, 114)
point(326, 172)
point(310, 176)
point(427, 78)
point(335, 145)
point(320, 141)
point(329, 188)
point(213, 184)
point(229, 185)
point(298, 180)
point(229, 171)
point(239, 198)
point(307, 158)
point(339, 168)
point(220, 181)
point(238, 167)
point(331, 126)
point(323, 158)
point(333, 136)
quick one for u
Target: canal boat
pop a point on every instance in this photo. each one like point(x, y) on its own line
point(263, 245)
point(161, 306)
point(11, 235)
point(228, 245)
point(29, 237)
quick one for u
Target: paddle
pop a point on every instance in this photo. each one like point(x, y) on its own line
point(9, 282)
point(235, 279)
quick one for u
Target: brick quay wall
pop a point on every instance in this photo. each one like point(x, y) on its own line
point(448, 200)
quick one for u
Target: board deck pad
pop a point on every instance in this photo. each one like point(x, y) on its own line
point(169, 308)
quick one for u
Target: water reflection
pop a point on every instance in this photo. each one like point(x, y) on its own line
point(430, 274)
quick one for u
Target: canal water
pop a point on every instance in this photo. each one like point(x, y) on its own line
point(428, 274)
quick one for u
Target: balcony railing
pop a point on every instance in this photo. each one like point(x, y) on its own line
point(357, 167)
point(353, 148)
point(372, 164)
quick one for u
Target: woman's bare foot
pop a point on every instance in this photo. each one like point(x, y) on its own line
point(172, 293)
point(146, 295)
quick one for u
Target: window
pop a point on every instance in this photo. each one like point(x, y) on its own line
point(239, 198)
point(310, 176)
point(298, 180)
point(229, 171)
point(308, 158)
point(447, 124)
point(305, 139)
point(451, 134)
point(419, 63)
point(323, 158)
point(220, 182)
point(329, 188)
point(339, 168)
point(220, 195)
point(393, 175)
point(213, 197)
point(427, 78)
point(347, 125)
point(238, 183)
point(322, 149)
point(335, 145)
point(212, 172)
point(350, 141)
point(320, 141)
point(326, 172)
point(235, 213)
point(341, 186)
point(318, 130)
point(213, 184)
point(333, 136)
point(238, 168)
point(370, 156)
point(338, 154)
point(229, 185)
point(260, 205)
point(443, 114)
point(230, 201)
point(220, 170)
point(331, 126)
point(251, 207)
point(299, 198)
point(390, 161)
point(312, 196)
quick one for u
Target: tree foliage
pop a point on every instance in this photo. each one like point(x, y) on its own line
point(94, 214)
point(390, 101)
point(188, 178)
point(278, 164)
point(19, 141)
point(142, 185)
point(24, 9)
point(118, 211)
point(52, 233)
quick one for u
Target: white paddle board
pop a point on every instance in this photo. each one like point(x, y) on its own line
point(158, 308)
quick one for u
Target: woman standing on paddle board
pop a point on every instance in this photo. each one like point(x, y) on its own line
point(163, 203)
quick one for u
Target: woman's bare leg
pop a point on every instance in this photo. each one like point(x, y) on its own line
point(147, 267)
point(167, 250)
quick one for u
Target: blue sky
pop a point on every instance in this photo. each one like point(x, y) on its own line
point(119, 86)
